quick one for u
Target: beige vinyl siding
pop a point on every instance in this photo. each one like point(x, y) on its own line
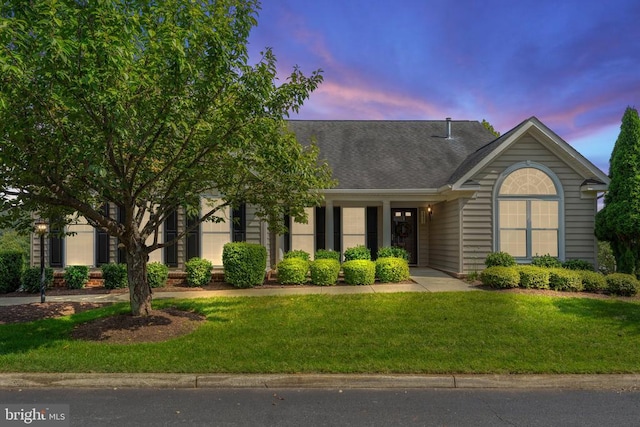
point(444, 237)
point(253, 225)
point(423, 237)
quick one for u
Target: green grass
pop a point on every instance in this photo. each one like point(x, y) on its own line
point(475, 332)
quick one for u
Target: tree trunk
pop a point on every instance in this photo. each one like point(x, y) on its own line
point(139, 289)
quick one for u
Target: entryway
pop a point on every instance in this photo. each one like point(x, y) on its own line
point(404, 231)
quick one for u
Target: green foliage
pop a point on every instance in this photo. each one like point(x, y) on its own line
point(327, 254)
point(298, 254)
point(622, 284)
point(293, 271)
point(393, 252)
point(157, 274)
point(499, 259)
point(533, 277)
point(547, 261)
point(392, 270)
point(198, 272)
point(11, 265)
point(500, 277)
point(577, 264)
point(606, 260)
point(114, 276)
point(359, 272)
point(593, 281)
point(76, 276)
point(561, 279)
point(490, 128)
point(244, 263)
point(357, 252)
point(618, 222)
point(11, 241)
point(325, 271)
point(31, 279)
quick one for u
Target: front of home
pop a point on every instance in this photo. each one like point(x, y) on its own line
point(448, 191)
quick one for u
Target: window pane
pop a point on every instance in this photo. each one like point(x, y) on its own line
point(513, 214)
point(528, 181)
point(514, 242)
point(544, 242)
point(544, 214)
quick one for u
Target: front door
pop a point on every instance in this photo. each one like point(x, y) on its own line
point(404, 231)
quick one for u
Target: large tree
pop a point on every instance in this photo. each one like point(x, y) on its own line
point(149, 106)
point(619, 220)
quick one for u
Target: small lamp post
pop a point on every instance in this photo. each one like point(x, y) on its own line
point(41, 230)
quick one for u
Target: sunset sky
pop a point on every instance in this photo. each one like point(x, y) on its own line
point(573, 64)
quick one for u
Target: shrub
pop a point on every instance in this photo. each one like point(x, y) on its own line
point(547, 261)
point(198, 272)
point(393, 252)
point(76, 276)
point(561, 279)
point(114, 276)
point(327, 254)
point(11, 265)
point(533, 277)
point(359, 272)
point(593, 281)
point(577, 264)
point(325, 271)
point(292, 271)
point(31, 279)
point(622, 284)
point(157, 274)
point(357, 252)
point(245, 264)
point(392, 270)
point(606, 260)
point(499, 259)
point(500, 277)
point(298, 254)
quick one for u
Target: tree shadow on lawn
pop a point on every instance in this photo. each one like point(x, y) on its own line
point(625, 315)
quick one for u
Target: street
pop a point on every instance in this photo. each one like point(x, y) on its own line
point(332, 407)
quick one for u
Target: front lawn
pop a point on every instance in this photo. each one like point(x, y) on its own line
point(474, 332)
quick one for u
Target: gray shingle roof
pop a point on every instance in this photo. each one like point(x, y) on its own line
point(392, 154)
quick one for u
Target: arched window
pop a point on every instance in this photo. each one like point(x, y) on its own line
point(528, 212)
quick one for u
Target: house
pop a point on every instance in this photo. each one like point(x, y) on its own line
point(448, 191)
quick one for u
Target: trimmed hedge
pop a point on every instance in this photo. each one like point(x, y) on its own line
point(157, 274)
point(114, 276)
point(533, 277)
point(546, 261)
point(298, 254)
point(244, 263)
point(357, 252)
point(359, 272)
point(578, 264)
point(76, 276)
point(392, 270)
point(11, 265)
point(561, 279)
point(327, 254)
point(622, 284)
point(293, 271)
point(324, 271)
point(499, 259)
point(500, 277)
point(593, 281)
point(393, 252)
point(198, 272)
point(31, 279)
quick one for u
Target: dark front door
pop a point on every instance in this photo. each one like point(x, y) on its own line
point(404, 231)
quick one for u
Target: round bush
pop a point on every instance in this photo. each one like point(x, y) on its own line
point(114, 276)
point(547, 261)
point(561, 279)
point(359, 272)
point(157, 274)
point(392, 270)
point(393, 252)
point(499, 259)
point(198, 272)
point(593, 281)
point(324, 272)
point(327, 254)
point(11, 265)
point(622, 284)
point(500, 277)
point(577, 264)
point(76, 276)
point(31, 279)
point(298, 254)
point(533, 277)
point(357, 252)
point(292, 271)
point(244, 263)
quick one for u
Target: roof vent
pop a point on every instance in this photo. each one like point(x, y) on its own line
point(448, 127)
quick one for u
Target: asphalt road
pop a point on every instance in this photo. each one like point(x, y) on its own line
point(333, 407)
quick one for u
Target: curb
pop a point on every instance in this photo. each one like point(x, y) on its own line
point(317, 381)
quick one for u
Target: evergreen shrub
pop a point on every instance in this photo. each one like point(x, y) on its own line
point(298, 254)
point(578, 264)
point(561, 279)
point(157, 274)
point(31, 279)
point(114, 276)
point(547, 261)
point(392, 270)
point(499, 259)
point(393, 252)
point(11, 265)
point(76, 276)
point(327, 254)
point(500, 277)
point(357, 252)
point(292, 271)
point(622, 284)
point(244, 263)
point(533, 277)
point(359, 272)
point(198, 272)
point(324, 271)
point(593, 281)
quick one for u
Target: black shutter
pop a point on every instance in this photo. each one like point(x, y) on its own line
point(170, 233)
